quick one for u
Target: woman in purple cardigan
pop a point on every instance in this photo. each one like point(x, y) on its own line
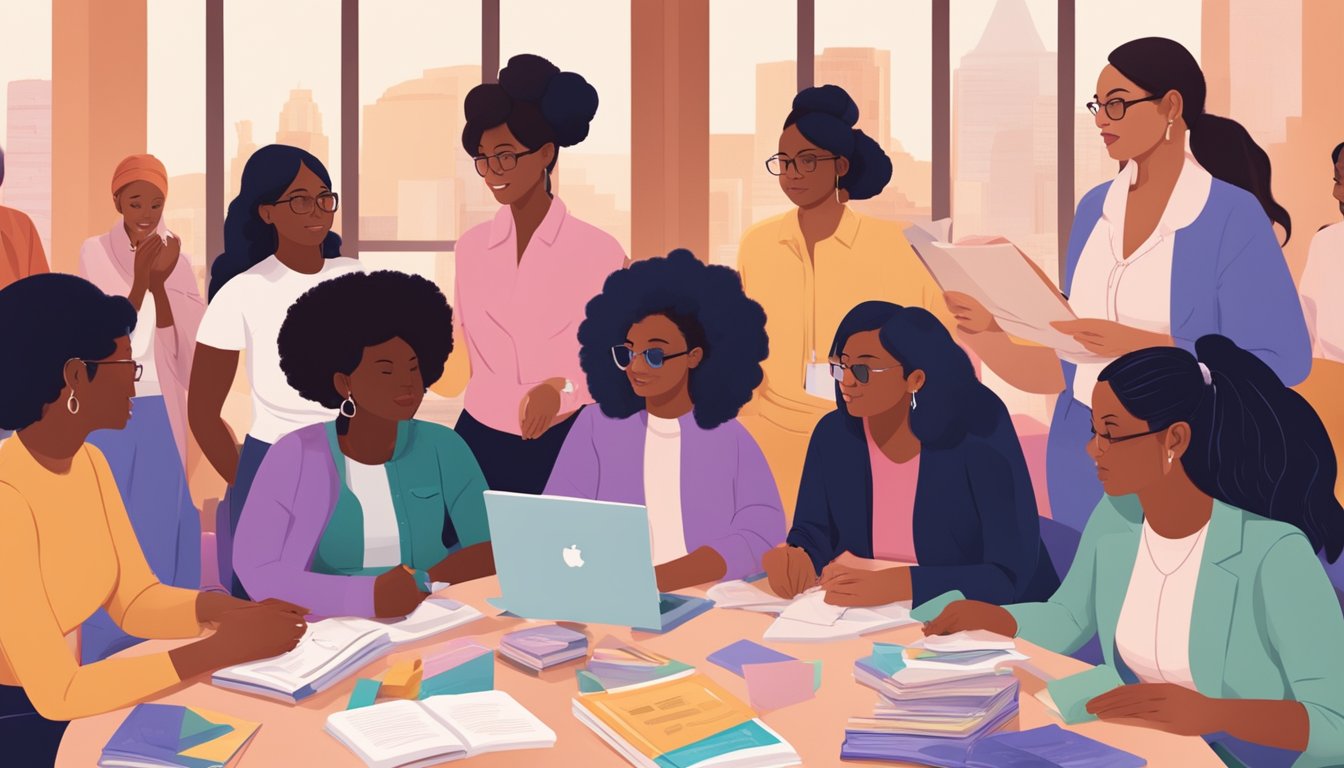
point(672, 349)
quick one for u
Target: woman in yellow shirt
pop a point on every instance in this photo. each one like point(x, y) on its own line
point(810, 266)
point(66, 543)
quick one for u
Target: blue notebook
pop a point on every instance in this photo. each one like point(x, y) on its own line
point(177, 737)
point(1048, 747)
point(745, 652)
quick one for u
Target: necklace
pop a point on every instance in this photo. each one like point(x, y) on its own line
point(1148, 546)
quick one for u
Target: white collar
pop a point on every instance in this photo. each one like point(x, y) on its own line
point(1187, 201)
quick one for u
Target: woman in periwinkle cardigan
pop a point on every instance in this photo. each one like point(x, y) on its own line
point(919, 465)
point(672, 349)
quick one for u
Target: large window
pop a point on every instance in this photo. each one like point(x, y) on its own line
point(25, 112)
point(593, 177)
point(175, 119)
point(754, 76)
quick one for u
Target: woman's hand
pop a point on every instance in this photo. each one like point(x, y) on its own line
point(166, 259)
point(789, 570)
point(862, 587)
point(1108, 338)
point(538, 410)
point(965, 615)
point(972, 317)
point(396, 594)
point(1164, 706)
point(257, 632)
point(210, 606)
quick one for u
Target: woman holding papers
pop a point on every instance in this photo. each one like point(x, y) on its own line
point(359, 516)
point(809, 266)
point(672, 349)
point(919, 465)
point(1181, 244)
point(1198, 569)
point(67, 547)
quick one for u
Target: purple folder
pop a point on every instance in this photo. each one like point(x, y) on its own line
point(745, 652)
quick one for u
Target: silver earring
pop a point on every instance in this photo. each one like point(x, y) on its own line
point(1169, 122)
point(837, 188)
point(350, 401)
point(913, 403)
point(548, 183)
point(1171, 456)
point(72, 405)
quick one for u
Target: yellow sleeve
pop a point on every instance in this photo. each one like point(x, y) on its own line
point(34, 647)
point(457, 370)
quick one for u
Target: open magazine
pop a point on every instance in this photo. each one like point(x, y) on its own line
point(333, 649)
point(808, 617)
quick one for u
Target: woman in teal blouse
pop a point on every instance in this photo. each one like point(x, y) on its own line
point(362, 514)
point(1198, 568)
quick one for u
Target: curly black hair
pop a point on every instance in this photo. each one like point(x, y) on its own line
point(45, 320)
point(329, 327)
point(540, 104)
point(708, 306)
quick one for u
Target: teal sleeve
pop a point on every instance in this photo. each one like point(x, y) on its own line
point(1303, 623)
point(1066, 621)
point(464, 489)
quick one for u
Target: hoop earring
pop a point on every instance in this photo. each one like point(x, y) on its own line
point(350, 401)
point(548, 183)
point(72, 404)
point(913, 403)
point(1169, 122)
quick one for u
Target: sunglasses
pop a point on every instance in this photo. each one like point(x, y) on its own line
point(654, 356)
point(861, 372)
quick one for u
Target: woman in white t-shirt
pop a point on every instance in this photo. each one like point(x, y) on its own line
point(278, 243)
point(1323, 277)
point(139, 259)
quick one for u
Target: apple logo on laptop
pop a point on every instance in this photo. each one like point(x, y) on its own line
point(573, 557)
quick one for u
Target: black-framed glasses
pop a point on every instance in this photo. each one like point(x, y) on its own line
point(861, 372)
point(778, 165)
point(1116, 108)
point(501, 161)
point(328, 202)
point(654, 356)
point(93, 366)
point(1107, 441)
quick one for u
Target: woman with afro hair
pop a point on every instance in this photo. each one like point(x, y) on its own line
point(522, 278)
point(809, 266)
point(360, 515)
point(672, 349)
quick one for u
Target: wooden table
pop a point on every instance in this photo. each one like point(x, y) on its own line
point(293, 735)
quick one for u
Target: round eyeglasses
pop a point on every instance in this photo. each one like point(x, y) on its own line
point(654, 356)
point(328, 202)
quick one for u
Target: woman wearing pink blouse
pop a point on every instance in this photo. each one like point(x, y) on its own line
point(524, 278)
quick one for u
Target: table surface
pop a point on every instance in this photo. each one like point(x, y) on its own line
point(294, 735)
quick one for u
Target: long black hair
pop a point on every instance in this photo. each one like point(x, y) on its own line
point(248, 240)
point(1221, 145)
point(1254, 443)
point(826, 116)
point(953, 402)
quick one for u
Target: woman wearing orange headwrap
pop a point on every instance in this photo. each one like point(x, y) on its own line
point(141, 260)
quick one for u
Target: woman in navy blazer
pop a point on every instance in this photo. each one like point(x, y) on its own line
point(906, 392)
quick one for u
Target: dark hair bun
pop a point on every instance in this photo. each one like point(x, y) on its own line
point(826, 116)
point(566, 100)
point(829, 100)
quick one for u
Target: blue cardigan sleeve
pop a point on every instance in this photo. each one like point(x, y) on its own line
point(814, 528)
point(1010, 533)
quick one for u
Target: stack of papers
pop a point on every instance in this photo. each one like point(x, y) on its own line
point(686, 722)
point(808, 617)
point(539, 648)
point(617, 664)
point(333, 649)
point(169, 736)
point(438, 729)
point(931, 715)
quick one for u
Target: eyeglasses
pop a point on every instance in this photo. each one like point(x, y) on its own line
point(1106, 441)
point(501, 162)
point(1116, 108)
point(861, 372)
point(779, 164)
point(654, 356)
point(303, 204)
point(93, 366)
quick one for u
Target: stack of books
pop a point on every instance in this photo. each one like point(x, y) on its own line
point(929, 714)
point(540, 648)
point(171, 736)
point(617, 664)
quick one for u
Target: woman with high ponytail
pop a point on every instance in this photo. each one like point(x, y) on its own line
point(1198, 570)
point(524, 277)
point(808, 267)
point(1180, 245)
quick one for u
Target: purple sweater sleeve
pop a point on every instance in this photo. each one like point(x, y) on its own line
point(576, 469)
point(282, 522)
point(758, 517)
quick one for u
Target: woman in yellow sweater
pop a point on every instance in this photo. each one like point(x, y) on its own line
point(810, 266)
point(66, 544)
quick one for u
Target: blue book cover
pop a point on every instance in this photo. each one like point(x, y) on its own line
point(1048, 747)
point(743, 652)
point(171, 735)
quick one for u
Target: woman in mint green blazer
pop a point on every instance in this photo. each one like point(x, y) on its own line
point(1198, 569)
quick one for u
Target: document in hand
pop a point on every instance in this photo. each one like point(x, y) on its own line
point(438, 729)
point(333, 649)
point(683, 722)
point(1022, 299)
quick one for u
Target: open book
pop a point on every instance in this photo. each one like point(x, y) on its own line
point(441, 728)
point(808, 616)
point(333, 649)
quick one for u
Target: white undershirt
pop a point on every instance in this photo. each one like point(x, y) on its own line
point(382, 539)
point(1134, 291)
point(1153, 633)
point(1321, 282)
point(662, 488)
point(142, 347)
